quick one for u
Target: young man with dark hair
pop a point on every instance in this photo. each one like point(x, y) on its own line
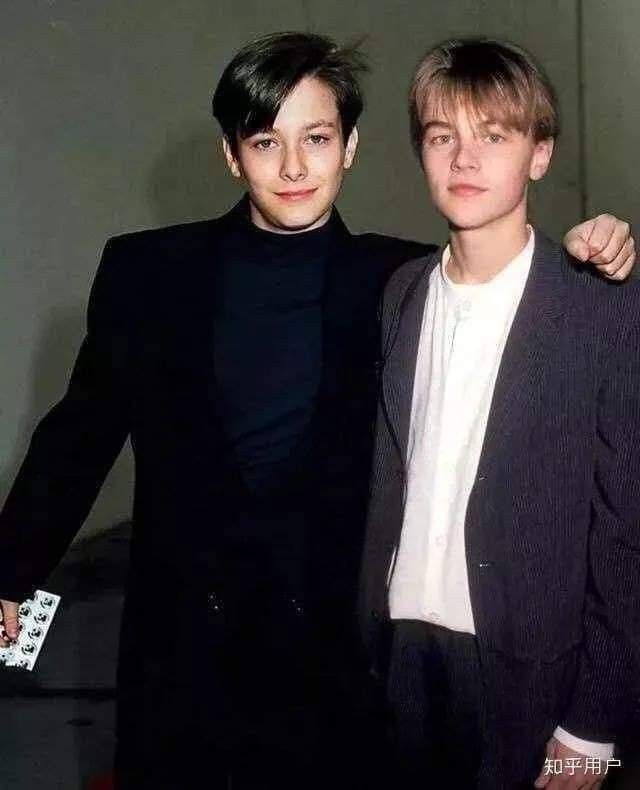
point(262, 75)
point(502, 538)
point(239, 354)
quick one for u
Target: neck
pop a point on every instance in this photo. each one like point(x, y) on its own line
point(262, 222)
point(479, 254)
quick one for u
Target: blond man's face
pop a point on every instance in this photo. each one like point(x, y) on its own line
point(477, 170)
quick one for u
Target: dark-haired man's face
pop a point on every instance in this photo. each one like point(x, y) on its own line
point(294, 171)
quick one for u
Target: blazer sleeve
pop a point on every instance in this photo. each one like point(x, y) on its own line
point(607, 687)
point(72, 448)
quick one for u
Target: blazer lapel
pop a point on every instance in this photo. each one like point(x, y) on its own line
point(400, 354)
point(200, 306)
point(528, 349)
point(337, 308)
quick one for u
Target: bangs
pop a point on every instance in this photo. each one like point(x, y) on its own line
point(266, 92)
point(486, 101)
point(256, 83)
point(493, 81)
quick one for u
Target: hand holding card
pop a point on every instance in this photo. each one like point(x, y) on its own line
point(35, 616)
point(9, 625)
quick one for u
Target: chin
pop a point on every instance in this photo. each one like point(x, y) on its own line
point(467, 220)
point(297, 220)
point(294, 223)
point(456, 222)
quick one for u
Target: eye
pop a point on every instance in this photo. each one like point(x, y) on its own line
point(494, 137)
point(440, 139)
point(265, 144)
point(318, 139)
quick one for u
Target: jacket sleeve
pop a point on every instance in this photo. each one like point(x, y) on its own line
point(72, 448)
point(609, 661)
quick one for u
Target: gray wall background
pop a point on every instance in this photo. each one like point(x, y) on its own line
point(105, 127)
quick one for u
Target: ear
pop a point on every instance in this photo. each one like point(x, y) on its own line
point(350, 148)
point(232, 162)
point(541, 159)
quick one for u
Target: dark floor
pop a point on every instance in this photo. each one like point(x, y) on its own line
point(56, 723)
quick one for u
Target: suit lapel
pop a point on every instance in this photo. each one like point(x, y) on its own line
point(528, 349)
point(337, 308)
point(201, 304)
point(401, 351)
point(525, 356)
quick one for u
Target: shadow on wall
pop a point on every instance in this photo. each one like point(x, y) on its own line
point(190, 179)
point(56, 349)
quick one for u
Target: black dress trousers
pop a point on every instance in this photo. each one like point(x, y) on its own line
point(448, 732)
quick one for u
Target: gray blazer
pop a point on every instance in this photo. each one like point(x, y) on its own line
point(553, 520)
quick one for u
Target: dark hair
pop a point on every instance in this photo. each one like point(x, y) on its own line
point(490, 78)
point(262, 74)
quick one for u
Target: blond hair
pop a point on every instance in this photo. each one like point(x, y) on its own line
point(494, 80)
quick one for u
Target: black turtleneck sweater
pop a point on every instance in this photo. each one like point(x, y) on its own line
point(268, 347)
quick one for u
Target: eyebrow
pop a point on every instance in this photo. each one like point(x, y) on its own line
point(307, 127)
point(431, 124)
point(321, 122)
point(444, 124)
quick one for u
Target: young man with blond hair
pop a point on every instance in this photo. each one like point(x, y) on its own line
point(502, 539)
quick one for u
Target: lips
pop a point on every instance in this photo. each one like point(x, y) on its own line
point(466, 190)
point(297, 195)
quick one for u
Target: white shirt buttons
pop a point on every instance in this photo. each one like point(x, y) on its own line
point(464, 329)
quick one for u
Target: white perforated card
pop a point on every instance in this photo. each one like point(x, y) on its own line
point(35, 616)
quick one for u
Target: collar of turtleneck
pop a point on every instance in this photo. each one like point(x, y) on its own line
point(310, 244)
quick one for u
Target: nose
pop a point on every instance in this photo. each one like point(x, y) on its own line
point(465, 156)
point(293, 165)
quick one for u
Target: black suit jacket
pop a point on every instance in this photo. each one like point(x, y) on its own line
point(145, 370)
point(553, 520)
